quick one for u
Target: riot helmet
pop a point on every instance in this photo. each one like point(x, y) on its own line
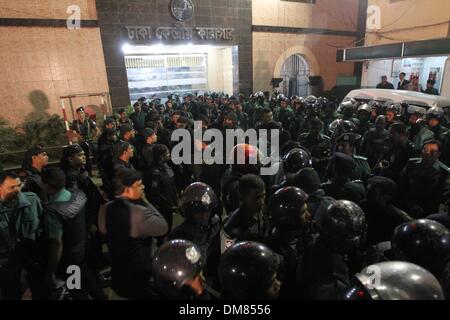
point(175, 264)
point(423, 242)
point(248, 270)
point(296, 159)
point(288, 209)
point(344, 225)
point(395, 280)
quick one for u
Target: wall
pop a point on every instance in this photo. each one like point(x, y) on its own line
point(46, 9)
point(325, 14)
point(115, 15)
point(271, 49)
point(40, 64)
point(410, 20)
point(220, 70)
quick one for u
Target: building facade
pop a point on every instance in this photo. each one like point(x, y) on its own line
point(134, 48)
point(410, 36)
point(41, 59)
point(298, 40)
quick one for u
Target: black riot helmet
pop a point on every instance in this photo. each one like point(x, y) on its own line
point(247, 271)
point(175, 263)
point(339, 127)
point(435, 113)
point(423, 242)
point(295, 160)
point(348, 107)
point(395, 280)
point(198, 197)
point(285, 208)
point(343, 225)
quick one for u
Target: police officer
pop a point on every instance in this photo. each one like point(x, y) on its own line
point(298, 124)
point(138, 117)
point(418, 132)
point(434, 118)
point(339, 127)
point(248, 221)
point(128, 134)
point(290, 220)
point(318, 144)
point(265, 118)
point(393, 112)
point(347, 109)
point(86, 131)
point(160, 181)
point(347, 144)
point(424, 182)
point(34, 160)
point(341, 186)
point(146, 158)
point(325, 271)
point(423, 242)
point(129, 224)
point(396, 280)
point(328, 115)
point(66, 228)
point(20, 213)
point(249, 271)
point(123, 152)
point(177, 272)
point(382, 216)
point(372, 144)
point(106, 159)
point(230, 179)
point(363, 114)
point(284, 113)
point(123, 118)
point(397, 150)
point(294, 161)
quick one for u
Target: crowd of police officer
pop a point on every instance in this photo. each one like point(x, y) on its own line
point(358, 207)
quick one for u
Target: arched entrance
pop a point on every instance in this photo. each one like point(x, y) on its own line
point(295, 72)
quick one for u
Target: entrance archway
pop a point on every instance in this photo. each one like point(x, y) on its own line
point(295, 73)
point(302, 51)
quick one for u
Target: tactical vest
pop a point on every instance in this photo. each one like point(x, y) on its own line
point(74, 238)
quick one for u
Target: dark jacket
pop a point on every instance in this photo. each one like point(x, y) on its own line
point(129, 227)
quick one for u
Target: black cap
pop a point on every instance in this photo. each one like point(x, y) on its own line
point(80, 109)
point(126, 128)
point(35, 151)
point(148, 132)
point(71, 150)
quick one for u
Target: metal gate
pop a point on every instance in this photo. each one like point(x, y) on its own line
point(165, 74)
point(295, 74)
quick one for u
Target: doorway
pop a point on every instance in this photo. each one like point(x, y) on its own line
point(161, 70)
point(295, 73)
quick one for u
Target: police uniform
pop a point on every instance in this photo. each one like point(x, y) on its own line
point(341, 187)
point(19, 225)
point(424, 188)
point(320, 149)
point(242, 225)
point(284, 116)
point(397, 157)
point(372, 145)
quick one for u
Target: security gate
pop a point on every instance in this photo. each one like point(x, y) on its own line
point(295, 74)
point(165, 74)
